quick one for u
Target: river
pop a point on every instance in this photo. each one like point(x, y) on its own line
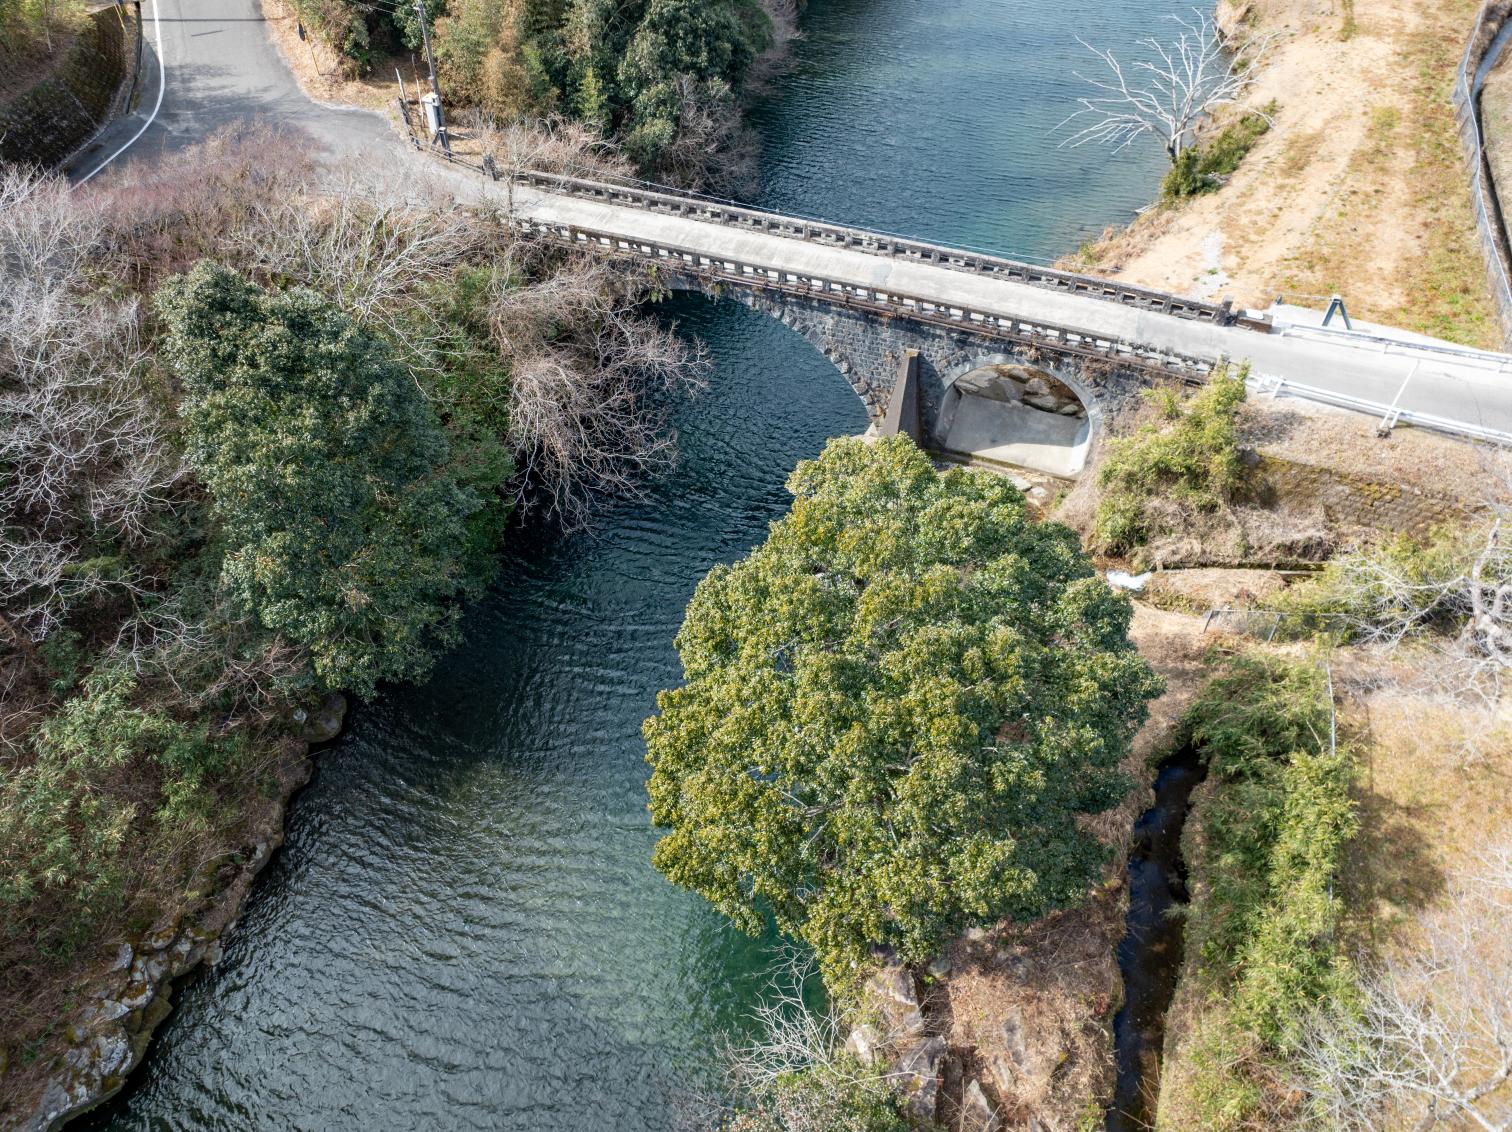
point(464, 929)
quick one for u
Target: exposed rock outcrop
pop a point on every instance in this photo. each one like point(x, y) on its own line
point(127, 1001)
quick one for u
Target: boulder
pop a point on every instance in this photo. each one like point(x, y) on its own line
point(1037, 385)
point(977, 1114)
point(1022, 1064)
point(1043, 402)
point(324, 724)
point(865, 1044)
point(917, 1076)
point(892, 990)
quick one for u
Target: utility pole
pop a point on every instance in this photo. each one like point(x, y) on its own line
point(435, 116)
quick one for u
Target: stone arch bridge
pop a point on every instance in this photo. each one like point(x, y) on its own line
point(918, 329)
point(920, 355)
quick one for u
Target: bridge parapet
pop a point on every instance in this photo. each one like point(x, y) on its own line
point(710, 273)
point(709, 210)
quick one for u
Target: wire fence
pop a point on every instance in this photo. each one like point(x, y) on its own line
point(1261, 623)
point(1490, 222)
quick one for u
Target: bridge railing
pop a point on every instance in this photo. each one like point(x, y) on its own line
point(1186, 368)
point(1389, 414)
point(710, 210)
point(887, 303)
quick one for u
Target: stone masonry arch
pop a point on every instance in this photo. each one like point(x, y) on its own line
point(868, 349)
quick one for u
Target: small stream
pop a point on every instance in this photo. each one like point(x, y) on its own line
point(1149, 955)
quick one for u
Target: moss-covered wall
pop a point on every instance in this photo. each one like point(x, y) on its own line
point(45, 124)
point(1354, 503)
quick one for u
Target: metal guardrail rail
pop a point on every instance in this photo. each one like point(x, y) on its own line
point(710, 210)
point(1489, 221)
point(892, 304)
point(1275, 386)
point(1466, 355)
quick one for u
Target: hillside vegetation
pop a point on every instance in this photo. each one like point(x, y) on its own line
point(664, 78)
point(256, 444)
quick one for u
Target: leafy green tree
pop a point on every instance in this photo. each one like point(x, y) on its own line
point(342, 527)
point(700, 39)
point(895, 712)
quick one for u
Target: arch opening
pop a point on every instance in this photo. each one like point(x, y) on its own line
point(999, 411)
point(813, 328)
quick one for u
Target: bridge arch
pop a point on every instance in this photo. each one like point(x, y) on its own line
point(1001, 408)
point(853, 347)
point(974, 384)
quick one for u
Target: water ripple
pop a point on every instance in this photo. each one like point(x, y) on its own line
point(464, 930)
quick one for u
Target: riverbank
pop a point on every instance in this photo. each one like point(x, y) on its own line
point(147, 733)
point(118, 1000)
point(1359, 188)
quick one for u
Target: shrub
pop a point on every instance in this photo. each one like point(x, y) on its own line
point(1204, 167)
point(65, 819)
point(1267, 849)
point(895, 711)
point(1192, 458)
point(1401, 588)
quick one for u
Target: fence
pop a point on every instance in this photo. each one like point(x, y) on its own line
point(1259, 623)
point(1490, 223)
point(1389, 414)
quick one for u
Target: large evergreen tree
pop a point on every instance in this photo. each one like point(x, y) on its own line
point(896, 712)
point(342, 527)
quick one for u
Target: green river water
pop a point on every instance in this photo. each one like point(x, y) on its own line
point(464, 929)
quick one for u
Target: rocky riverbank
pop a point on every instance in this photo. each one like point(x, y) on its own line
point(127, 999)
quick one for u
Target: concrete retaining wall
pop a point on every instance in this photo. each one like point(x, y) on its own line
point(1360, 507)
point(46, 124)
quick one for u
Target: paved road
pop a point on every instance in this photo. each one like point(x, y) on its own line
point(222, 68)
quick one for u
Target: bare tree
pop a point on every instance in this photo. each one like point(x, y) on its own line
point(589, 385)
point(376, 251)
point(1452, 602)
point(713, 149)
point(548, 145)
point(1169, 93)
point(1429, 1043)
point(86, 454)
point(795, 1074)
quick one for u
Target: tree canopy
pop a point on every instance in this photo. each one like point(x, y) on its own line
point(342, 528)
point(895, 711)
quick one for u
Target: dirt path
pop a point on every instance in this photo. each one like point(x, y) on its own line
point(1359, 189)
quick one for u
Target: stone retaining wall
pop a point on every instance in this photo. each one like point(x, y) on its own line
point(869, 350)
point(1358, 506)
point(43, 126)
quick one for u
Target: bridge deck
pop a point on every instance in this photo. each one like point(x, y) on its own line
point(1462, 386)
point(208, 64)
